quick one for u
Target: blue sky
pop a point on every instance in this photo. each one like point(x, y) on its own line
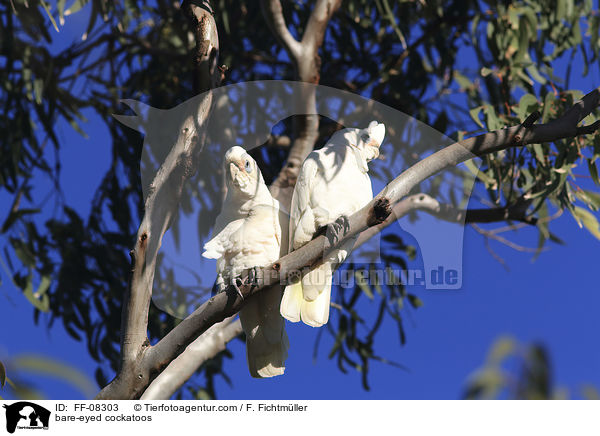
point(553, 300)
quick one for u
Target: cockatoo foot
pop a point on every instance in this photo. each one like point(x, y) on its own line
point(250, 281)
point(336, 230)
point(236, 284)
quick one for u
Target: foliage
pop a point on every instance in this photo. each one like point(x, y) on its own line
point(514, 370)
point(24, 365)
point(404, 54)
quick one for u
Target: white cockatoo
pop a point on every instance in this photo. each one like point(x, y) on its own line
point(248, 233)
point(333, 183)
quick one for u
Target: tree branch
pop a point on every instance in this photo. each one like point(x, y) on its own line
point(206, 54)
point(446, 212)
point(307, 64)
point(207, 346)
point(161, 205)
point(273, 13)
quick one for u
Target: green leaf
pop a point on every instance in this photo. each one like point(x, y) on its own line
point(38, 86)
point(588, 220)
point(411, 252)
point(532, 21)
point(23, 252)
point(590, 392)
point(593, 171)
point(47, 9)
point(45, 365)
point(527, 104)
point(42, 302)
point(475, 115)
point(549, 101)
point(539, 153)
point(592, 199)
point(501, 349)
point(533, 72)
point(414, 301)
point(523, 40)
point(44, 286)
point(16, 215)
point(361, 282)
point(76, 6)
point(60, 5)
point(2, 375)
point(491, 118)
point(78, 129)
point(462, 80)
point(202, 394)
point(485, 72)
point(489, 181)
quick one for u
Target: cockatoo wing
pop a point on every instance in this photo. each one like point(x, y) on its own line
point(221, 242)
point(302, 220)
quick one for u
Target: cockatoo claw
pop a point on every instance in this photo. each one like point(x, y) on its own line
point(336, 230)
point(252, 276)
point(236, 284)
point(250, 280)
point(344, 222)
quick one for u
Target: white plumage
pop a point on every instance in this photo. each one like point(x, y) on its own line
point(333, 182)
point(248, 233)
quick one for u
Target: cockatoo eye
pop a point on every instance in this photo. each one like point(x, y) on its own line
point(248, 168)
point(365, 137)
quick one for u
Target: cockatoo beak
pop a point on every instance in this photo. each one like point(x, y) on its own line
point(239, 177)
point(376, 134)
point(233, 171)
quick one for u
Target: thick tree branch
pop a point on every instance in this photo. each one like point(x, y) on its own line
point(273, 13)
point(307, 64)
point(200, 16)
point(161, 205)
point(446, 212)
point(207, 346)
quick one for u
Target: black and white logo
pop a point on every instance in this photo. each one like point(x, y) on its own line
point(26, 415)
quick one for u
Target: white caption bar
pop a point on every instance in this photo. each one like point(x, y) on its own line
point(294, 417)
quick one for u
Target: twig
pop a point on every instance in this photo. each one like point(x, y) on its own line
point(503, 240)
point(495, 255)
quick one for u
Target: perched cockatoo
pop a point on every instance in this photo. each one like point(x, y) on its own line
point(248, 233)
point(333, 183)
